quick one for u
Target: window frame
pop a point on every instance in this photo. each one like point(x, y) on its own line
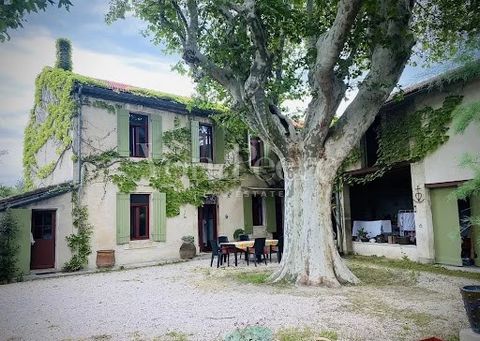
point(206, 159)
point(136, 220)
point(258, 213)
point(255, 162)
point(133, 152)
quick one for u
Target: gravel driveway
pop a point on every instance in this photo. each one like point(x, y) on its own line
point(205, 303)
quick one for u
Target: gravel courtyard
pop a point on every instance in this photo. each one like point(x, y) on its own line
point(191, 301)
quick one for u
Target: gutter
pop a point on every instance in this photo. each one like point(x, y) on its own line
point(79, 137)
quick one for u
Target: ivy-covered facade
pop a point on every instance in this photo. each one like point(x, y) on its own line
point(145, 169)
point(396, 194)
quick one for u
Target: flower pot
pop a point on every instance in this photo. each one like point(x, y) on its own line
point(471, 301)
point(187, 251)
point(105, 258)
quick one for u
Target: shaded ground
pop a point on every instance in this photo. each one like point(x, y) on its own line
point(191, 301)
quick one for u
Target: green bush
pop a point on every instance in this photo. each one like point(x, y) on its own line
point(237, 233)
point(8, 247)
point(251, 333)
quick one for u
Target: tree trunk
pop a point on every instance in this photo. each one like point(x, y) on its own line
point(310, 256)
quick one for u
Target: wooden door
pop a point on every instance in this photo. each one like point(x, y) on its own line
point(43, 231)
point(207, 226)
point(446, 227)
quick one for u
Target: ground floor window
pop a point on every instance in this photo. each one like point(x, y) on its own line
point(139, 216)
point(257, 210)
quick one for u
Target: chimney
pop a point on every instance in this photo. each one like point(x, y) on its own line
point(64, 54)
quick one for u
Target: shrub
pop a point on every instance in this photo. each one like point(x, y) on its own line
point(237, 233)
point(8, 247)
point(251, 333)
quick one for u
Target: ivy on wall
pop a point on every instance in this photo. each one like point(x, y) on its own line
point(79, 243)
point(407, 137)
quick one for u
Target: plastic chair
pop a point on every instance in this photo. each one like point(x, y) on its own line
point(278, 249)
point(258, 251)
point(244, 237)
point(216, 252)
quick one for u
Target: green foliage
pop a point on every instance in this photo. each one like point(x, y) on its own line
point(64, 54)
point(409, 137)
point(8, 247)
point(188, 239)
point(177, 142)
point(7, 191)
point(79, 243)
point(252, 277)
point(237, 233)
point(250, 333)
point(12, 13)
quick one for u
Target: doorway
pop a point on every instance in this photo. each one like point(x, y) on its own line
point(43, 232)
point(207, 226)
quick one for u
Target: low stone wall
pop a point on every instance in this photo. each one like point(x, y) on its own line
point(393, 251)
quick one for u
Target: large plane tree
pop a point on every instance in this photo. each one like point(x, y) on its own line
point(257, 54)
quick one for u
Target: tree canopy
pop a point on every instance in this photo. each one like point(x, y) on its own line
point(12, 12)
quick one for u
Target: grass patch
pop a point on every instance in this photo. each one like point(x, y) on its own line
point(406, 264)
point(173, 336)
point(304, 334)
point(252, 277)
point(383, 276)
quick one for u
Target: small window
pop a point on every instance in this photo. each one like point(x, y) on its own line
point(257, 210)
point(256, 151)
point(139, 216)
point(206, 143)
point(138, 135)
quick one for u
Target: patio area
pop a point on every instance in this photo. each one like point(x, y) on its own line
point(193, 301)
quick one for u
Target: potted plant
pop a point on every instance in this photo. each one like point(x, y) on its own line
point(237, 233)
point(471, 302)
point(105, 258)
point(362, 235)
point(188, 249)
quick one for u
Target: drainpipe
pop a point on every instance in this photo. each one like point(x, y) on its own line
point(79, 139)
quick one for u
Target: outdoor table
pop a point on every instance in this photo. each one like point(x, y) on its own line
point(244, 245)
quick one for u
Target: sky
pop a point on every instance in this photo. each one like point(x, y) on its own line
point(116, 52)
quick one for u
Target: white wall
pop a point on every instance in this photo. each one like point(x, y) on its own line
point(392, 251)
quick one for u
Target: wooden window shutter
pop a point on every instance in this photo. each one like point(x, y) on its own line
point(195, 136)
point(23, 217)
point(247, 214)
point(123, 121)
point(218, 144)
point(156, 136)
point(159, 228)
point(123, 218)
point(271, 214)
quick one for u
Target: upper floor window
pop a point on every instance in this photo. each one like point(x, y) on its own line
point(256, 151)
point(138, 131)
point(139, 216)
point(206, 143)
point(257, 210)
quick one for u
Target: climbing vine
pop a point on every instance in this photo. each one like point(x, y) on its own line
point(79, 243)
point(407, 137)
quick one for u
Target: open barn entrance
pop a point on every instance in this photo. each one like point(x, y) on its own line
point(382, 210)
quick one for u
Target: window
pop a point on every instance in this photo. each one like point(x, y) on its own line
point(257, 210)
point(138, 131)
point(43, 224)
point(256, 151)
point(139, 216)
point(206, 143)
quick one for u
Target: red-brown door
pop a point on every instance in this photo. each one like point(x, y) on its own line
point(43, 231)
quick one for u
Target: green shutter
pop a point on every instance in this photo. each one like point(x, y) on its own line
point(123, 218)
point(156, 136)
point(159, 227)
point(266, 155)
point(446, 227)
point(122, 132)
point(247, 214)
point(271, 214)
point(195, 141)
point(218, 144)
point(23, 217)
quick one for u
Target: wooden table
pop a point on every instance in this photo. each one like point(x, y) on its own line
point(242, 246)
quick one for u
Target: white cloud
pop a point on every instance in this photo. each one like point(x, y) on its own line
point(22, 58)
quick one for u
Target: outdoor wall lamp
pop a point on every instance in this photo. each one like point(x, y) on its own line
point(418, 195)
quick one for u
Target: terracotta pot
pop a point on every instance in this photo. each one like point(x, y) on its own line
point(105, 258)
point(471, 301)
point(187, 251)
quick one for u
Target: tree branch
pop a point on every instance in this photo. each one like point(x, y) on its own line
point(328, 89)
point(387, 64)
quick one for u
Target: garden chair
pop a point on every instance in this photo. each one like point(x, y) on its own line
point(258, 250)
point(216, 252)
point(278, 249)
